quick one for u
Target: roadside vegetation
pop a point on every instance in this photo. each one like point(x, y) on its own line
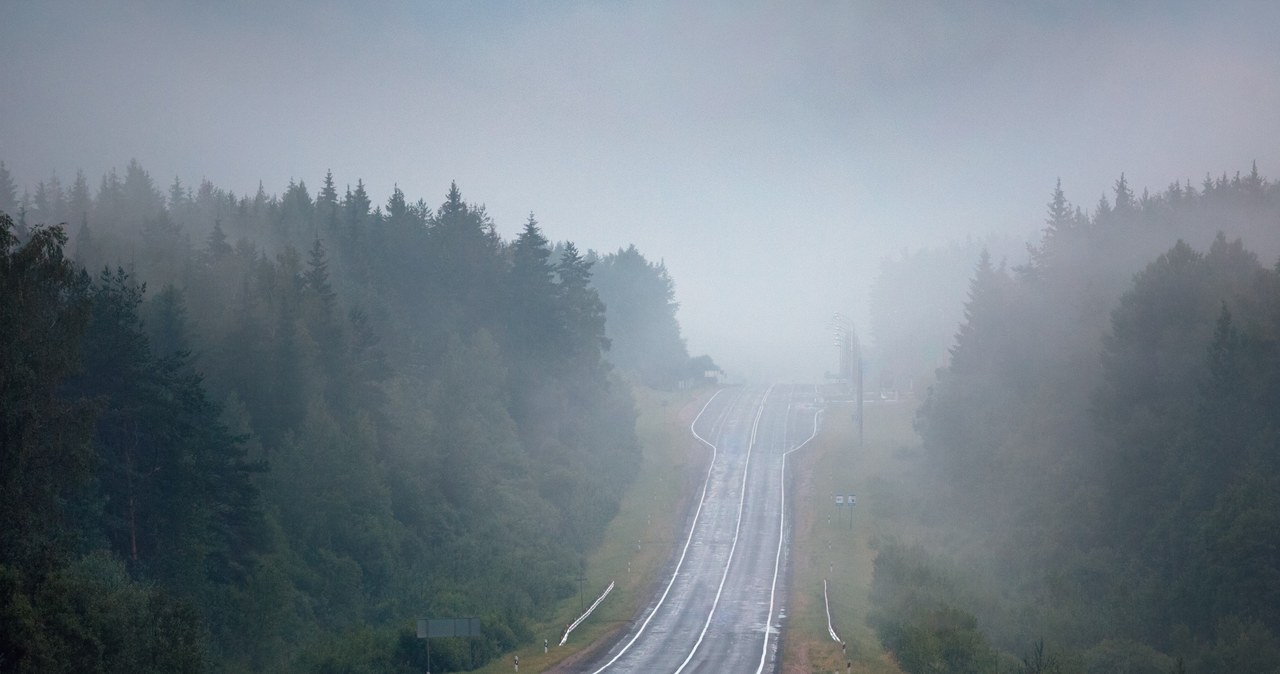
point(268, 433)
point(1096, 488)
point(639, 541)
point(839, 543)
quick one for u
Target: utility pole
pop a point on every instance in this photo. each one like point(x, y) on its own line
point(851, 370)
point(582, 575)
point(857, 354)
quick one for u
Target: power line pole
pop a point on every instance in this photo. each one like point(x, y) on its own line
point(857, 354)
point(851, 367)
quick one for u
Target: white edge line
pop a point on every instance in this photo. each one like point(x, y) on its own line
point(687, 541)
point(742, 499)
point(782, 523)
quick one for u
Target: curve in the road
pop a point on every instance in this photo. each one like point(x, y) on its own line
point(782, 524)
point(723, 641)
point(693, 527)
point(737, 529)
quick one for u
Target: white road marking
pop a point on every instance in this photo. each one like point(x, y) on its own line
point(692, 528)
point(742, 499)
point(733, 547)
point(782, 522)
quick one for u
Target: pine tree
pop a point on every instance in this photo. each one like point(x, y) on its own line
point(79, 202)
point(168, 331)
point(532, 293)
point(316, 278)
point(117, 370)
point(584, 312)
point(178, 503)
point(453, 208)
point(50, 202)
point(479, 437)
point(142, 202)
point(327, 204)
point(8, 193)
point(328, 195)
point(396, 207)
point(216, 247)
point(644, 335)
point(45, 456)
point(1059, 224)
point(1124, 196)
point(87, 252)
point(1102, 212)
point(463, 266)
point(356, 206)
point(321, 300)
point(369, 367)
point(974, 348)
point(179, 197)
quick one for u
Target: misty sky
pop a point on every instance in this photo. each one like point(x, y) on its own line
point(770, 153)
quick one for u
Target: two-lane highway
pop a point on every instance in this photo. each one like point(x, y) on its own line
point(719, 609)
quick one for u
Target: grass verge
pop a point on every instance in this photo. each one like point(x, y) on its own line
point(834, 542)
point(639, 540)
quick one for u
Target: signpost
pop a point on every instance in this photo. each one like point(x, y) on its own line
point(851, 501)
point(432, 628)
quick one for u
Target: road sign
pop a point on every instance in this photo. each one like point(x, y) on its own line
point(840, 500)
point(431, 628)
point(853, 500)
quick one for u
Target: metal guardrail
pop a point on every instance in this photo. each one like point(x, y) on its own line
point(830, 630)
point(572, 626)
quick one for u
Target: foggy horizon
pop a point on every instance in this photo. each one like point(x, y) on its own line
point(770, 156)
point(488, 334)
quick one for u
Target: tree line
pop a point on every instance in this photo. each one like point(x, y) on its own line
point(248, 433)
point(1098, 485)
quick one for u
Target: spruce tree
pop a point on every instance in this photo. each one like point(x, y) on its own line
point(8, 192)
point(44, 435)
point(1124, 196)
point(79, 202)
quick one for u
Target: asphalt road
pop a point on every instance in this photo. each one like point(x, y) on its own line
point(719, 608)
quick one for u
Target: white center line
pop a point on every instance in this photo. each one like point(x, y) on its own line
point(737, 527)
point(692, 528)
point(782, 523)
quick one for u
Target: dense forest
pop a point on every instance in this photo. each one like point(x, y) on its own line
point(1099, 484)
point(915, 303)
point(266, 433)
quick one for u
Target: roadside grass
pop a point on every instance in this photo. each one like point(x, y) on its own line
point(639, 541)
point(826, 545)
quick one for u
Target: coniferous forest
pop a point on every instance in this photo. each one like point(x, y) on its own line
point(267, 432)
point(1099, 484)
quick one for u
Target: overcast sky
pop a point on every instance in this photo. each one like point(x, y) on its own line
point(771, 153)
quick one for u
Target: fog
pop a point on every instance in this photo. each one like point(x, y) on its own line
point(771, 154)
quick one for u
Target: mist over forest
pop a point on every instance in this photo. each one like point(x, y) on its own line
point(270, 431)
point(1097, 485)
point(319, 317)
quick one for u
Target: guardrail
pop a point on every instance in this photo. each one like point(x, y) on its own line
point(830, 630)
point(572, 626)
